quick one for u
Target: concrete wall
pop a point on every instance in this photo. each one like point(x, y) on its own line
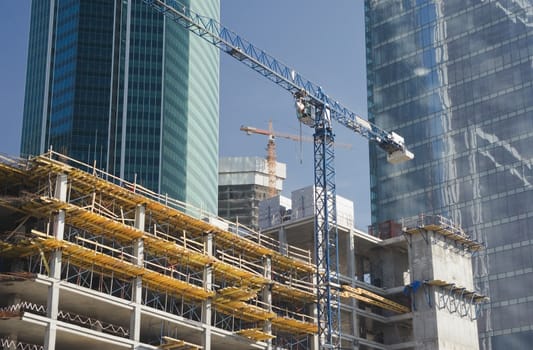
point(437, 325)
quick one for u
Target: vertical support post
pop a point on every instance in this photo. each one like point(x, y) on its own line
point(313, 311)
point(352, 272)
point(267, 297)
point(52, 302)
point(282, 237)
point(207, 312)
point(138, 257)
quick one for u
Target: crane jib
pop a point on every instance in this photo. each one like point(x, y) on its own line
point(272, 69)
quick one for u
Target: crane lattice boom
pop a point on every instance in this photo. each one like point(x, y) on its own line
point(279, 73)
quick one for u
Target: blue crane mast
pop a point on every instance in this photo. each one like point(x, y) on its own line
point(316, 110)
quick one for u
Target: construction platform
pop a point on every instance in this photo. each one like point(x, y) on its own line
point(109, 263)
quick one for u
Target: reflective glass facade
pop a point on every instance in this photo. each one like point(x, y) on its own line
point(455, 78)
point(114, 82)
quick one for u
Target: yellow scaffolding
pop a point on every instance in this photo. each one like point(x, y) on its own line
point(91, 221)
point(88, 183)
point(294, 326)
point(255, 334)
point(239, 301)
point(89, 258)
point(98, 224)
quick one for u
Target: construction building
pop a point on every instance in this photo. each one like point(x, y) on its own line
point(413, 290)
point(88, 260)
point(243, 182)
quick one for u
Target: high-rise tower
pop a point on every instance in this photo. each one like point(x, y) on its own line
point(111, 81)
point(455, 79)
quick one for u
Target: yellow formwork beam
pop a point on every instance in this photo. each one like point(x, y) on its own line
point(235, 293)
point(293, 293)
point(11, 175)
point(458, 290)
point(373, 299)
point(255, 334)
point(294, 326)
point(177, 344)
point(243, 310)
point(438, 283)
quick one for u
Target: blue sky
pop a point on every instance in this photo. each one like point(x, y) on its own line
point(323, 43)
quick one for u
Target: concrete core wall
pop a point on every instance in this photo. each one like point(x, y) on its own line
point(439, 321)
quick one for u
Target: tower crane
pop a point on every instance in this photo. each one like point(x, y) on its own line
point(271, 149)
point(315, 109)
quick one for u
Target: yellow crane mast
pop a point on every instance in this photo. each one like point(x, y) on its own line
point(271, 149)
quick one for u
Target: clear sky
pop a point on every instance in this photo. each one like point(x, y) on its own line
point(324, 41)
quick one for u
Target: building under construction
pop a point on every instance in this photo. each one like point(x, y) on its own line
point(88, 260)
point(243, 182)
point(412, 290)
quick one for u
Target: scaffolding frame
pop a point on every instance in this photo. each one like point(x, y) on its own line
point(98, 250)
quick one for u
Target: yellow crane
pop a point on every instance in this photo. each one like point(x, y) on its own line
point(271, 149)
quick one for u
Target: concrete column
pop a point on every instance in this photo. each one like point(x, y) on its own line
point(313, 311)
point(207, 312)
point(352, 272)
point(52, 302)
point(282, 237)
point(267, 297)
point(138, 253)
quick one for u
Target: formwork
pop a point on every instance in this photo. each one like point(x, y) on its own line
point(91, 260)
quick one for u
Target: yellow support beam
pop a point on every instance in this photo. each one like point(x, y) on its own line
point(307, 296)
point(255, 334)
point(176, 344)
point(292, 325)
point(243, 310)
point(372, 299)
point(457, 290)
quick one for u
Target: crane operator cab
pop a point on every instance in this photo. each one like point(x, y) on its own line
point(307, 112)
point(304, 109)
point(304, 112)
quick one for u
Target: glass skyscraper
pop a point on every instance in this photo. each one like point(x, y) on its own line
point(114, 82)
point(455, 78)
